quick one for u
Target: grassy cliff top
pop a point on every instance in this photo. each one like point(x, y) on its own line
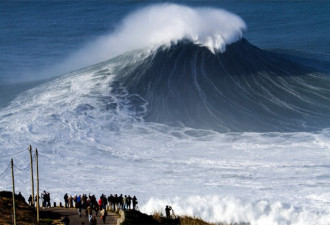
point(24, 214)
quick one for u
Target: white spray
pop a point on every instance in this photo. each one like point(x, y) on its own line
point(159, 25)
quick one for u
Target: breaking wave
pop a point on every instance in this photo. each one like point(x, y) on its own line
point(161, 25)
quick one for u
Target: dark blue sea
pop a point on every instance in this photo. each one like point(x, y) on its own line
point(218, 108)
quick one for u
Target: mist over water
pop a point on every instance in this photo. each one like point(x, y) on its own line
point(190, 116)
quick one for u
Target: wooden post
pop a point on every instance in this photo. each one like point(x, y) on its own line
point(32, 179)
point(13, 182)
point(38, 218)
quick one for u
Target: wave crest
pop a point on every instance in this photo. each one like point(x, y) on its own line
point(161, 25)
point(167, 23)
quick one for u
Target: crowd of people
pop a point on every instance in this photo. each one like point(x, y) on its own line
point(90, 204)
point(45, 199)
point(45, 196)
point(112, 202)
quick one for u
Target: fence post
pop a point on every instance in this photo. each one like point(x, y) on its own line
point(32, 181)
point(13, 183)
point(38, 218)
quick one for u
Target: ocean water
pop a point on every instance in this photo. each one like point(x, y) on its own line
point(219, 109)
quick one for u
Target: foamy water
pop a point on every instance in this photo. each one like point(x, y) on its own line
point(84, 147)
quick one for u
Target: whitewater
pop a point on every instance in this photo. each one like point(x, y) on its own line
point(176, 107)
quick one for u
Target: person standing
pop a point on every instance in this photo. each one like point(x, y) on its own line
point(135, 202)
point(125, 202)
point(70, 199)
point(129, 200)
point(30, 200)
point(43, 199)
point(75, 201)
point(100, 203)
point(48, 199)
point(120, 200)
point(66, 201)
point(104, 201)
point(168, 211)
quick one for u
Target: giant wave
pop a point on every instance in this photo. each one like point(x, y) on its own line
point(176, 115)
point(202, 74)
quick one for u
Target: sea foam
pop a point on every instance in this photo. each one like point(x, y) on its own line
point(90, 142)
point(231, 210)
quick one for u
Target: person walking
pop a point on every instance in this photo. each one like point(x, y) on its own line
point(79, 209)
point(103, 214)
point(65, 220)
point(93, 221)
point(96, 208)
point(89, 213)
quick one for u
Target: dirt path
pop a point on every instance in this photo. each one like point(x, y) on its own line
point(75, 219)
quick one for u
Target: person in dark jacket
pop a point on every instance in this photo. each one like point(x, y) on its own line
point(168, 211)
point(93, 221)
point(30, 200)
point(135, 202)
point(66, 200)
point(65, 220)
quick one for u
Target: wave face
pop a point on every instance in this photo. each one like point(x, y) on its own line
point(243, 89)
